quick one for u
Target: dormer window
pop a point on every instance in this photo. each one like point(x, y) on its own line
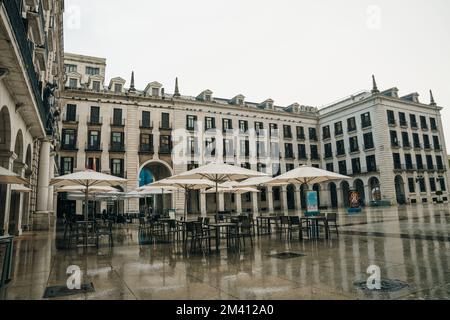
point(73, 83)
point(269, 105)
point(117, 88)
point(155, 92)
point(96, 86)
point(240, 101)
point(207, 97)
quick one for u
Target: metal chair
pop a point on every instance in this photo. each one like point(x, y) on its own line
point(104, 230)
point(332, 222)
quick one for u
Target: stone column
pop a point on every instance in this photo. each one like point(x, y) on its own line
point(255, 203)
point(19, 168)
point(270, 199)
point(43, 178)
point(298, 200)
point(51, 175)
point(6, 161)
point(367, 194)
point(238, 200)
point(284, 203)
point(340, 198)
point(203, 204)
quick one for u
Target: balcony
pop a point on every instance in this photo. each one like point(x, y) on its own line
point(414, 125)
point(165, 126)
point(417, 146)
point(351, 130)
point(35, 16)
point(301, 137)
point(121, 174)
point(354, 150)
point(363, 170)
point(115, 122)
point(403, 123)
point(392, 123)
point(438, 147)
point(94, 121)
point(338, 133)
point(315, 157)
point(69, 146)
point(328, 156)
point(395, 145)
point(427, 147)
point(146, 124)
point(20, 33)
point(366, 124)
point(313, 138)
point(116, 147)
point(289, 156)
point(94, 147)
point(165, 150)
point(434, 128)
point(70, 119)
point(146, 149)
point(407, 145)
point(340, 154)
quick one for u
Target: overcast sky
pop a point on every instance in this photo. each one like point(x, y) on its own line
point(311, 52)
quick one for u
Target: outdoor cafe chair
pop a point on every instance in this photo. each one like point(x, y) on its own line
point(282, 225)
point(296, 224)
point(201, 238)
point(332, 222)
point(246, 230)
point(104, 230)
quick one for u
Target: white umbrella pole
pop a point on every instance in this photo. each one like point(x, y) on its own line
point(86, 215)
point(217, 201)
point(185, 203)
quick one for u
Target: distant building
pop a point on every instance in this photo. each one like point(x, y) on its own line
point(392, 147)
point(31, 75)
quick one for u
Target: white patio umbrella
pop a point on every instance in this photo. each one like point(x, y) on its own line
point(20, 188)
point(219, 173)
point(88, 179)
point(9, 177)
point(93, 189)
point(306, 175)
point(185, 184)
point(260, 182)
point(151, 190)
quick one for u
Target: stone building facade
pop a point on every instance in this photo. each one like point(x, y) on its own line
point(146, 135)
point(31, 50)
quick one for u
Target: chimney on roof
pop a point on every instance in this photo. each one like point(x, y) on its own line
point(432, 102)
point(177, 90)
point(132, 88)
point(374, 86)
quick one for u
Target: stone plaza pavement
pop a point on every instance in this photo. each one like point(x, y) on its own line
point(410, 244)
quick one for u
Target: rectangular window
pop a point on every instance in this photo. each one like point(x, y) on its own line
point(419, 162)
point(261, 149)
point(397, 161)
point(94, 164)
point(423, 123)
point(433, 124)
point(192, 146)
point(411, 185)
point(94, 140)
point(312, 134)
point(287, 133)
point(66, 165)
point(243, 126)
point(227, 124)
point(390, 117)
point(356, 166)
point(244, 148)
point(338, 128)
point(95, 115)
point(117, 142)
point(394, 139)
point(326, 133)
point(228, 150)
point(436, 144)
point(422, 185)
point(442, 184)
point(117, 167)
point(426, 142)
point(328, 151)
point(117, 88)
point(146, 142)
point(92, 71)
point(300, 133)
point(165, 144)
point(302, 152)
point(365, 120)
point(405, 139)
point(191, 122)
point(330, 167)
point(259, 127)
point(432, 184)
point(413, 120)
point(342, 167)
point(69, 138)
point(416, 141)
point(289, 167)
point(408, 161)
point(402, 119)
point(430, 164)
point(96, 86)
point(275, 150)
point(273, 129)
point(353, 142)
point(439, 163)
point(210, 123)
point(117, 117)
point(73, 83)
point(371, 163)
point(165, 120)
point(70, 68)
point(288, 152)
point(314, 152)
point(71, 112)
point(340, 147)
point(351, 124)
point(368, 141)
point(146, 119)
point(210, 146)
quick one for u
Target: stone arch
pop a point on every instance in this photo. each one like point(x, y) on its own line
point(400, 189)
point(5, 129)
point(18, 146)
point(345, 187)
point(358, 185)
point(374, 189)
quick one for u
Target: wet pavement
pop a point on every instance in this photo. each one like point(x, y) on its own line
point(409, 244)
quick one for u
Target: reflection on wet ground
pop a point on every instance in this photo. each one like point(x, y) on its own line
point(409, 244)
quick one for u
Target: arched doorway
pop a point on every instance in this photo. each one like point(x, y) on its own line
point(151, 171)
point(5, 146)
point(290, 194)
point(333, 195)
point(345, 188)
point(359, 187)
point(375, 190)
point(316, 188)
point(400, 190)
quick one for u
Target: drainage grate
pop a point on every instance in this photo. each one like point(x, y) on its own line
point(387, 285)
point(63, 291)
point(287, 255)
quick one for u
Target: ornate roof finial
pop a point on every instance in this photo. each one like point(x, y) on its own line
point(432, 102)
point(374, 85)
point(132, 88)
point(177, 90)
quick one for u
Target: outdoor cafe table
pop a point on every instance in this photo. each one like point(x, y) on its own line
point(264, 222)
point(315, 225)
point(218, 226)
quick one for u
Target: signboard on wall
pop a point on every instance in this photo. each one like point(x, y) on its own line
point(312, 206)
point(354, 201)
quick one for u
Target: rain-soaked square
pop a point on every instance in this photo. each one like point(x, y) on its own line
point(409, 244)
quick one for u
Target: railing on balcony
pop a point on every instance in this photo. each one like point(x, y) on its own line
point(94, 147)
point(69, 146)
point(94, 121)
point(165, 126)
point(116, 122)
point(146, 124)
point(23, 43)
point(146, 148)
point(117, 147)
point(70, 119)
